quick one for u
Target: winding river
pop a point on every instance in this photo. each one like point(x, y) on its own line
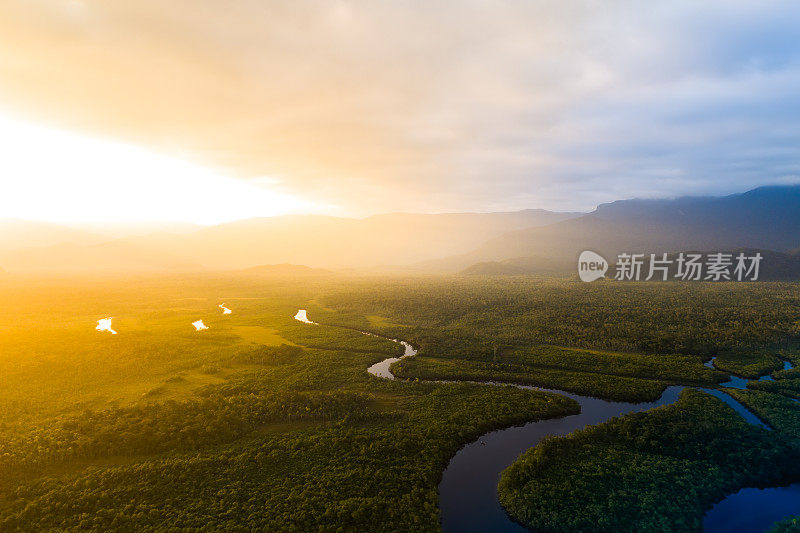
point(468, 490)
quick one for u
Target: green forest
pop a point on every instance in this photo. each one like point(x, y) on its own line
point(652, 471)
point(262, 422)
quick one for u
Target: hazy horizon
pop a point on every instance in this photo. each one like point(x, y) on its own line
point(181, 226)
point(195, 112)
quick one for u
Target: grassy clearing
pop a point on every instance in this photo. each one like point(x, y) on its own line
point(261, 335)
point(382, 322)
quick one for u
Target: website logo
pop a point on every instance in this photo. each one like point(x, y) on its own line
point(591, 266)
point(683, 266)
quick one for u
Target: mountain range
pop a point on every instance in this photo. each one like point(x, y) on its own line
point(313, 240)
point(533, 240)
point(764, 218)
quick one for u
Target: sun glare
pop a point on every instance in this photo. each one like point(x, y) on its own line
point(59, 176)
point(104, 324)
point(303, 317)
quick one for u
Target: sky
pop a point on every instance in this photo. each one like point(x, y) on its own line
point(207, 111)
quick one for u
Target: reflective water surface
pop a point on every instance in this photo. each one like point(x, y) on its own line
point(468, 489)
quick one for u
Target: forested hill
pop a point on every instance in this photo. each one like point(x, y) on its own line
point(764, 218)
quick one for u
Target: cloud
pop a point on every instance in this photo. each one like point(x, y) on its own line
point(474, 105)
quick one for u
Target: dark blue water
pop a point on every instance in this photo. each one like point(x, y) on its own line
point(468, 490)
point(753, 510)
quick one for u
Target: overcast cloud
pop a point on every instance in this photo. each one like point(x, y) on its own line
point(427, 106)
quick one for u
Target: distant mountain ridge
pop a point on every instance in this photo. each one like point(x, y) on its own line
point(763, 218)
point(18, 234)
point(313, 240)
point(766, 218)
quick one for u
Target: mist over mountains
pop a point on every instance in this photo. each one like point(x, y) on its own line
point(534, 240)
point(764, 218)
point(15, 234)
point(319, 241)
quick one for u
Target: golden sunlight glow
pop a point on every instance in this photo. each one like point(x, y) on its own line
point(303, 317)
point(59, 176)
point(104, 324)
